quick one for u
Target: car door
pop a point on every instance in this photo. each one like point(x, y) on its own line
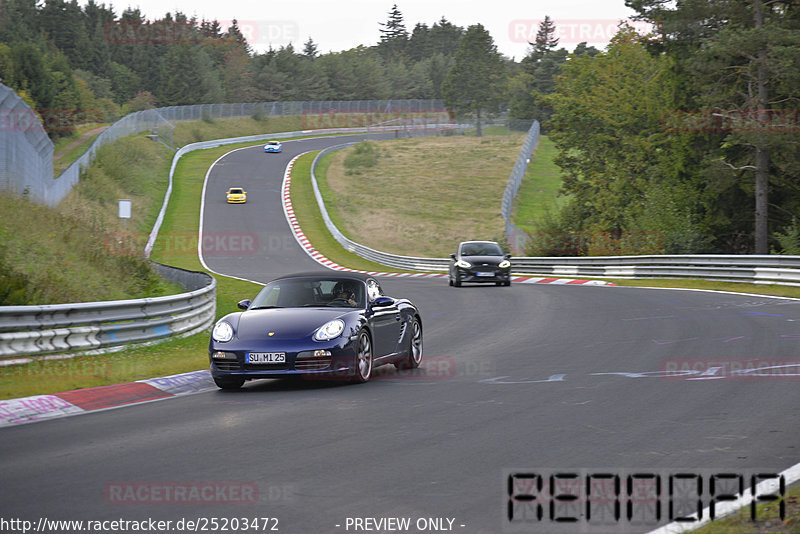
point(384, 316)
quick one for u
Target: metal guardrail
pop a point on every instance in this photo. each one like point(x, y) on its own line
point(58, 328)
point(759, 269)
point(774, 269)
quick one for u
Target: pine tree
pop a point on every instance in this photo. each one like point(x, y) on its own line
point(419, 44)
point(394, 36)
point(546, 41)
point(310, 49)
point(235, 34)
point(474, 84)
point(19, 21)
point(445, 37)
point(544, 44)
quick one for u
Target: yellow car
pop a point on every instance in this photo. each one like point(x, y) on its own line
point(236, 195)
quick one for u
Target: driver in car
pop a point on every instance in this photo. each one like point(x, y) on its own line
point(346, 292)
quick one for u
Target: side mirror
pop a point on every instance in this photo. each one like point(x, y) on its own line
point(382, 302)
point(452, 256)
point(244, 304)
point(507, 256)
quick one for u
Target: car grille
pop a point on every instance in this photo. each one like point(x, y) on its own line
point(227, 366)
point(267, 367)
point(312, 365)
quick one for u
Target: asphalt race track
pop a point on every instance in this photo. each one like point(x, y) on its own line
point(522, 378)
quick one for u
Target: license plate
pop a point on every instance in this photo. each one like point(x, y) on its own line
point(484, 274)
point(265, 357)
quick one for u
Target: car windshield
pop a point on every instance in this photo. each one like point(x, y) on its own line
point(310, 292)
point(235, 191)
point(481, 249)
point(273, 143)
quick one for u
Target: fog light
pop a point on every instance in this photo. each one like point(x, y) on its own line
point(321, 353)
point(219, 355)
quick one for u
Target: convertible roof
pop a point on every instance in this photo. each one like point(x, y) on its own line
point(329, 275)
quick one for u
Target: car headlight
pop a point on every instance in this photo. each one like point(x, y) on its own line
point(330, 330)
point(505, 264)
point(463, 264)
point(223, 332)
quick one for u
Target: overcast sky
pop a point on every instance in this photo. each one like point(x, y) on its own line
point(343, 24)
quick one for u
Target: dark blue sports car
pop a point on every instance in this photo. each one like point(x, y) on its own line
point(331, 325)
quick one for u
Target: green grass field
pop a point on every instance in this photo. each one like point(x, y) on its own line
point(308, 216)
point(68, 149)
point(422, 196)
point(538, 194)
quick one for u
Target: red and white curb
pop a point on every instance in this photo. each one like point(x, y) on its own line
point(301, 238)
point(44, 407)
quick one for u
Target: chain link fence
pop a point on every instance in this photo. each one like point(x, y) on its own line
point(26, 159)
point(228, 111)
point(518, 239)
point(26, 164)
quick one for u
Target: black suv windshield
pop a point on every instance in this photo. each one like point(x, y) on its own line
point(481, 249)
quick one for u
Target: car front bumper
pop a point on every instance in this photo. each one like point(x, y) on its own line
point(491, 275)
point(300, 361)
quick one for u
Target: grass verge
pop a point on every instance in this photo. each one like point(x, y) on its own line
point(137, 363)
point(72, 252)
point(712, 285)
point(421, 196)
point(68, 149)
point(768, 518)
point(308, 215)
point(538, 198)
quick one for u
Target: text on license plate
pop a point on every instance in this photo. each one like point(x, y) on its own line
point(485, 274)
point(265, 357)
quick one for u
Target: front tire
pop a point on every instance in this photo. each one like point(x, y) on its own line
point(229, 383)
point(363, 367)
point(414, 357)
point(457, 283)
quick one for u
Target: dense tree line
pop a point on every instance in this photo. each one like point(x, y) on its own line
point(686, 140)
point(74, 64)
